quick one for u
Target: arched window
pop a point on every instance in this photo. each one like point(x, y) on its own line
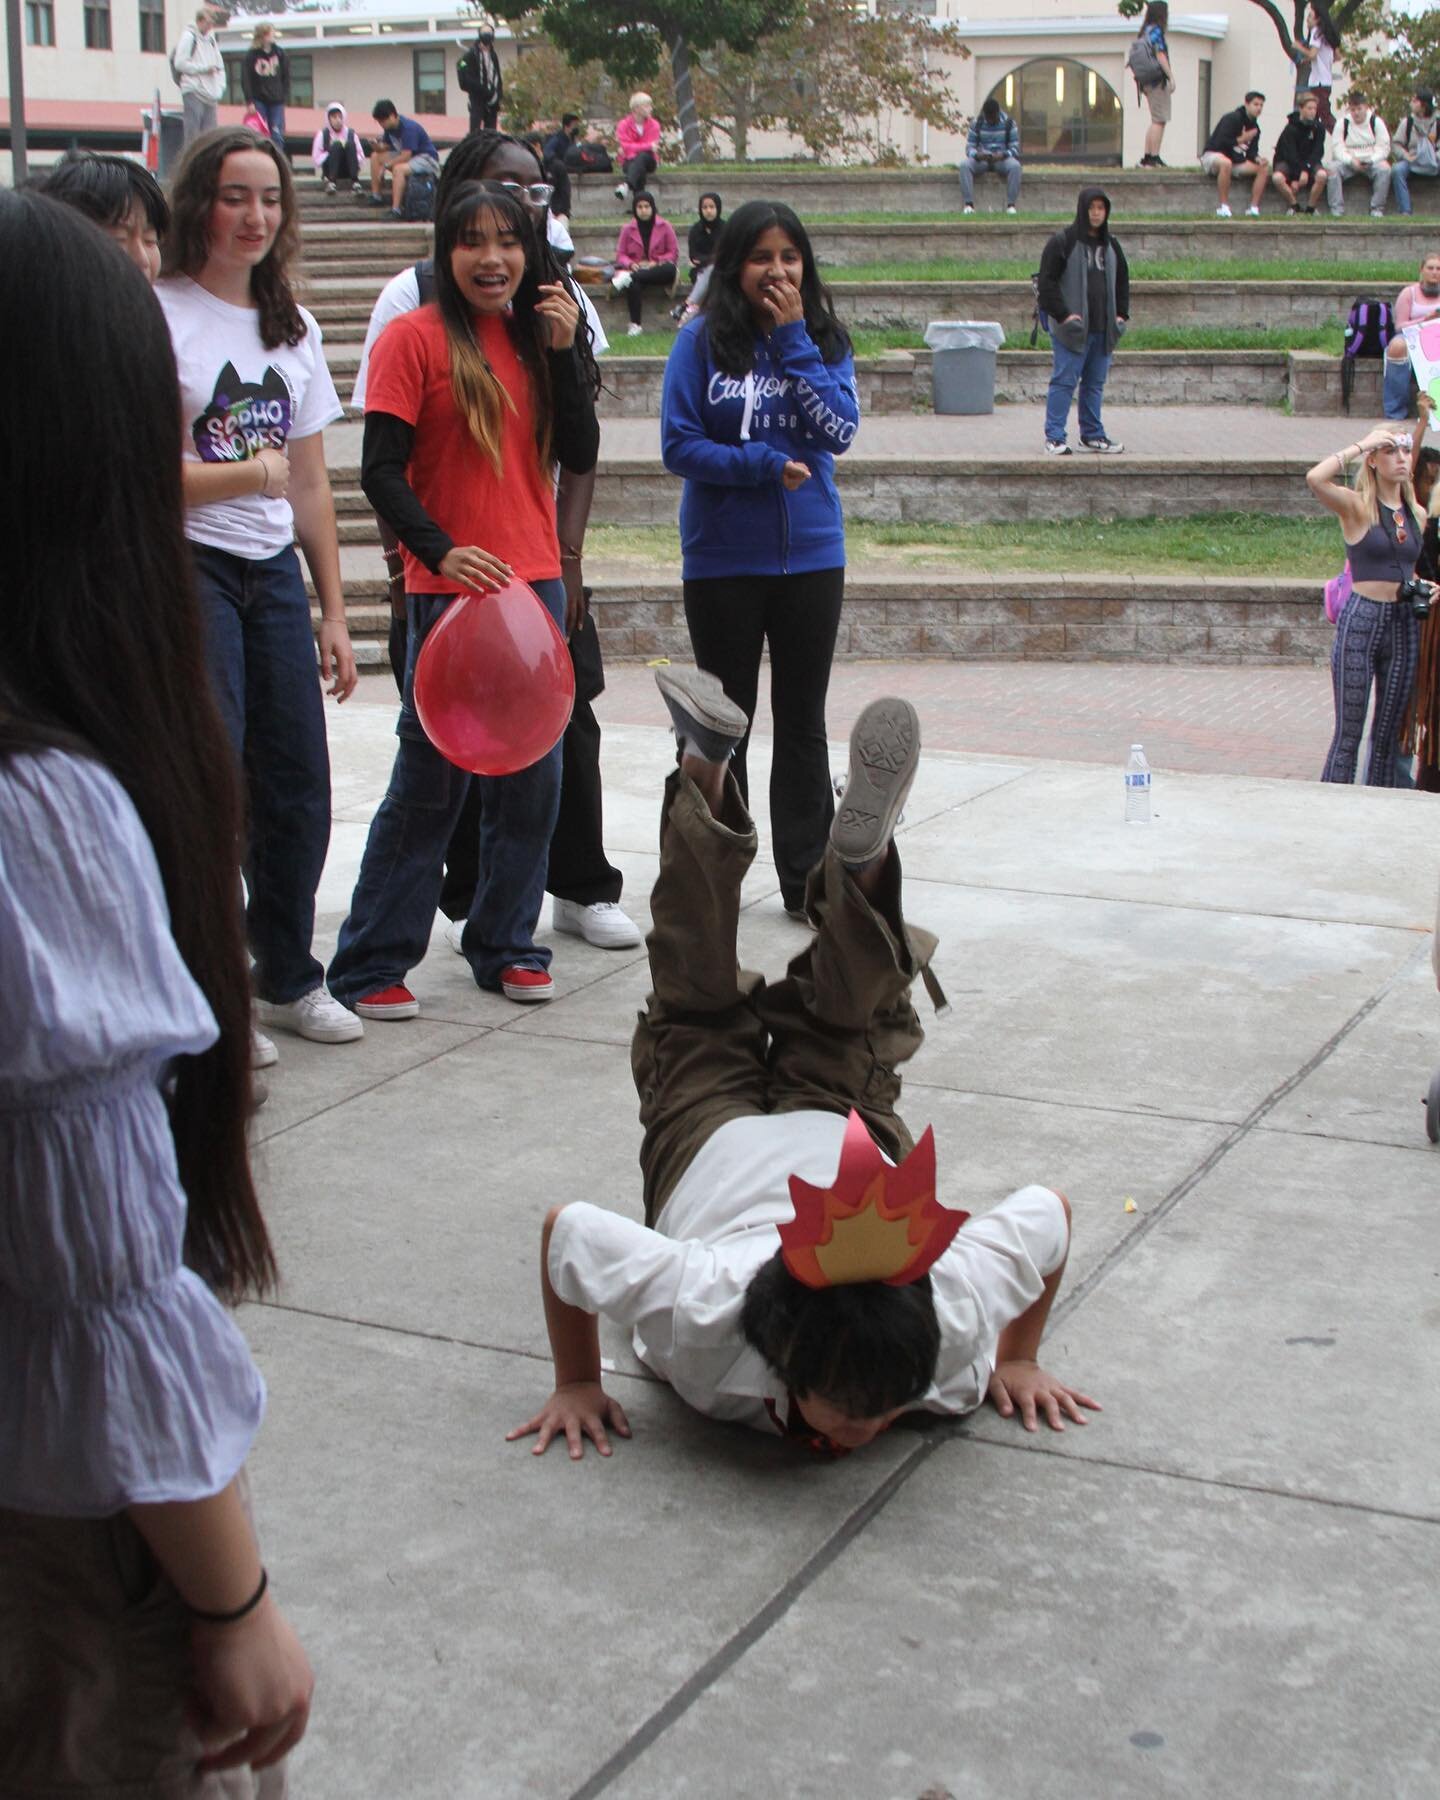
point(1066, 112)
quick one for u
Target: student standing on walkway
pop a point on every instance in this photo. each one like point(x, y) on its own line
point(200, 69)
point(1084, 292)
point(759, 399)
point(265, 80)
point(468, 404)
point(585, 884)
point(257, 397)
point(130, 1218)
point(1157, 95)
point(1376, 637)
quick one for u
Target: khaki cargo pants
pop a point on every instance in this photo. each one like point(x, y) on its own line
point(716, 1043)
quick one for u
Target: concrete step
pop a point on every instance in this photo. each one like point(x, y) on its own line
point(826, 192)
point(968, 617)
point(343, 308)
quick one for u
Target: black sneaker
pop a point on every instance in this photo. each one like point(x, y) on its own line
point(706, 721)
point(1103, 446)
point(884, 755)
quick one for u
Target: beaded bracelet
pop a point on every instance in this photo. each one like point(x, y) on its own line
point(240, 1612)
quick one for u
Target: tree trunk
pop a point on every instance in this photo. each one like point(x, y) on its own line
point(685, 99)
point(740, 123)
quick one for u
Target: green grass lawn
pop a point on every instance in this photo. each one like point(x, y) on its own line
point(1179, 269)
point(1211, 543)
point(1139, 337)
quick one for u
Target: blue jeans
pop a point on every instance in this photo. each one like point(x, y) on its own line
point(1397, 387)
point(393, 908)
point(1088, 367)
point(262, 664)
point(273, 113)
point(1401, 175)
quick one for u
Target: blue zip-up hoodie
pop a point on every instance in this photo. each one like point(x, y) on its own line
point(731, 436)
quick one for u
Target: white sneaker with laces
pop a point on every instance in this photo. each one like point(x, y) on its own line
point(605, 924)
point(317, 1015)
point(1252, 212)
point(455, 935)
point(1223, 212)
point(263, 1054)
point(1057, 447)
point(634, 330)
point(1012, 210)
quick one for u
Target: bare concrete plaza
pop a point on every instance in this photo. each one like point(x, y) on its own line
point(1225, 1585)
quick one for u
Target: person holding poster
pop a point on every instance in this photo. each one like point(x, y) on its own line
point(1415, 305)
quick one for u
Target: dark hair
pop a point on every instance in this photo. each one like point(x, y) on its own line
point(990, 111)
point(1156, 13)
point(728, 319)
point(644, 198)
point(106, 188)
point(1326, 28)
point(866, 1348)
point(465, 164)
point(187, 249)
point(1254, 94)
point(569, 119)
point(382, 109)
point(1356, 98)
point(1427, 100)
point(103, 656)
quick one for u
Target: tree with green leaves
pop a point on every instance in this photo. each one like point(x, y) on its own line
point(1411, 61)
point(630, 38)
point(1350, 18)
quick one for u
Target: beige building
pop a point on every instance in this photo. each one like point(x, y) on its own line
point(92, 65)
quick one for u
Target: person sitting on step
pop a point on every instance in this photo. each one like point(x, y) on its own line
point(1234, 147)
point(647, 255)
point(992, 148)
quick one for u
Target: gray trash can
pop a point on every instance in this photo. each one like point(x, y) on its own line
point(963, 363)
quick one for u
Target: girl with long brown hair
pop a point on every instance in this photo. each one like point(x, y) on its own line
point(256, 396)
point(132, 1595)
point(467, 404)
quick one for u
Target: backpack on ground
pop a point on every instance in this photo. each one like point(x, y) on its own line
point(1143, 61)
point(189, 31)
point(1368, 331)
point(418, 206)
point(589, 159)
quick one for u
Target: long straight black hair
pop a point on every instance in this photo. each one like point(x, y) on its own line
point(728, 319)
point(102, 654)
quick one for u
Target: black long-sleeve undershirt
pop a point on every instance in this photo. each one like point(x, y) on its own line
point(389, 442)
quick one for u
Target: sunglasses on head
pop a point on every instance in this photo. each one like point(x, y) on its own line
point(1401, 441)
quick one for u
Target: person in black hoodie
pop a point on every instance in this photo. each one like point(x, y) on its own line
point(1234, 147)
point(1084, 292)
point(704, 233)
point(1299, 174)
point(265, 81)
point(478, 72)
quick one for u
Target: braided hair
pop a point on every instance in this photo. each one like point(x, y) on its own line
point(466, 163)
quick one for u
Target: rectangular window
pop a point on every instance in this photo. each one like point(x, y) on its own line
point(429, 81)
point(40, 23)
point(1202, 101)
point(97, 24)
point(152, 27)
point(302, 79)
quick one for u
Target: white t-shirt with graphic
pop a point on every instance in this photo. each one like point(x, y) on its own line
point(238, 398)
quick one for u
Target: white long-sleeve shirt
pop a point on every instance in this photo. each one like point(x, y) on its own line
point(1359, 146)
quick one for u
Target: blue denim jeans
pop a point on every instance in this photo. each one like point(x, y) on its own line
point(1397, 387)
point(1088, 367)
point(1402, 174)
point(262, 665)
point(393, 908)
point(273, 113)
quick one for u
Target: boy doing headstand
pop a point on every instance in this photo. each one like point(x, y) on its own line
point(788, 1275)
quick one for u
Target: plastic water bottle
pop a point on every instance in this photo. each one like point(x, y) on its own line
point(1137, 788)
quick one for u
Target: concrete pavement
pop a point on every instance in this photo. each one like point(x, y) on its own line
point(1223, 1586)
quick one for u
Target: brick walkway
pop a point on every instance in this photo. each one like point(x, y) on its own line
point(1240, 721)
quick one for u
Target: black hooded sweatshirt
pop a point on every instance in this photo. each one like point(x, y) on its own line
point(1301, 146)
point(1224, 140)
point(703, 237)
point(1075, 274)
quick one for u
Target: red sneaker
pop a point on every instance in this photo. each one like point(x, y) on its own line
point(389, 1003)
point(526, 985)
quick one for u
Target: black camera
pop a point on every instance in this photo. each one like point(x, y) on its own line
point(1418, 593)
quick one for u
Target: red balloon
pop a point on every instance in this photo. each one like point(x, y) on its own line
point(494, 683)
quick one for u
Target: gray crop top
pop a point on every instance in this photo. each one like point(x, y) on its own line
point(1379, 556)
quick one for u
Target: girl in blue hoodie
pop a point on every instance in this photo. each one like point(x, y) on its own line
point(759, 400)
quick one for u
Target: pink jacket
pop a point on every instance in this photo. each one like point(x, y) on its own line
point(633, 137)
point(631, 248)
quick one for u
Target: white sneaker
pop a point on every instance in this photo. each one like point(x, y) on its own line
point(262, 1049)
point(1057, 447)
point(1012, 210)
point(622, 192)
point(967, 211)
point(317, 1015)
point(605, 924)
point(1375, 213)
point(1223, 212)
point(1252, 212)
point(634, 330)
point(455, 936)
point(619, 282)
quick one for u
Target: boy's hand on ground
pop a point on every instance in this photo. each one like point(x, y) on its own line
point(581, 1409)
point(1030, 1389)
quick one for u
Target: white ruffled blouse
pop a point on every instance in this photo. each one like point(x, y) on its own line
point(122, 1378)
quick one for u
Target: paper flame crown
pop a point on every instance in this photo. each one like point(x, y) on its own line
point(876, 1223)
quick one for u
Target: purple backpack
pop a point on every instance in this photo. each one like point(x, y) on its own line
point(1368, 331)
point(1337, 592)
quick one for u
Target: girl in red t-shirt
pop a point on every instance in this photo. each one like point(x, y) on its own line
point(468, 405)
